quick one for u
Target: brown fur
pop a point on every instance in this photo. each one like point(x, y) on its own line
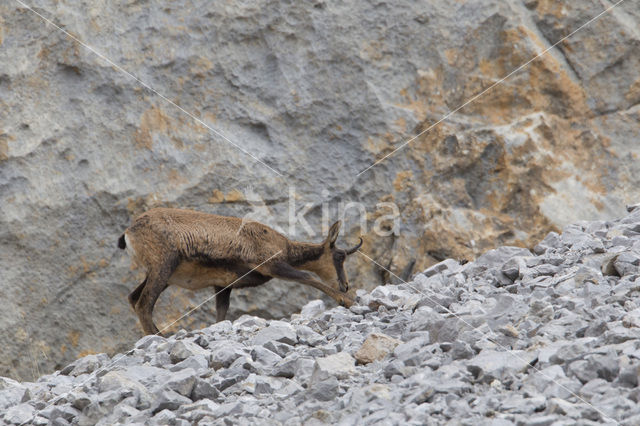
point(195, 250)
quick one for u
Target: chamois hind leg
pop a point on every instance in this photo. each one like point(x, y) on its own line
point(135, 294)
point(157, 282)
point(287, 272)
point(222, 302)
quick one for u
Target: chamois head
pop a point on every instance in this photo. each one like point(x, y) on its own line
point(330, 266)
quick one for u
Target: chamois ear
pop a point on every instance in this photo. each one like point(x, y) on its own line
point(333, 233)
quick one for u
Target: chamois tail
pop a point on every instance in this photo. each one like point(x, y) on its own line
point(122, 244)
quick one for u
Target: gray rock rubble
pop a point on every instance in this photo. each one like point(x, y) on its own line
point(516, 337)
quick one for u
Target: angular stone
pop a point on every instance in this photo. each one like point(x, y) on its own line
point(182, 381)
point(160, 359)
point(605, 366)
point(265, 357)
point(632, 319)
point(571, 351)
point(589, 244)
point(509, 330)
point(249, 323)
point(313, 309)
point(406, 350)
point(288, 389)
point(544, 420)
point(541, 310)
point(195, 362)
point(199, 412)
point(451, 266)
point(120, 381)
point(395, 368)
point(282, 349)
point(184, 349)
point(228, 409)
point(340, 365)
point(304, 369)
point(19, 414)
point(426, 318)
point(629, 376)
point(307, 336)
point(626, 263)
point(621, 334)
point(511, 268)
point(102, 404)
point(11, 392)
point(497, 257)
point(286, 367)
point(89, 364)
point(166, 399)
point(149, 340)
point(375, 347)
point(381, 296)
point(324, 390)
point(630, 257)
point(228, 377)
point(490, 365)
point(586, 274)
point(581, 370)
point(541, 377)
point(219, 328)
point(203, 389)
point(223, 353)
point(461, 350)
point(63, 412)
point(164, 417)
point(278, 331)
point(40, 421)
point(545, 269)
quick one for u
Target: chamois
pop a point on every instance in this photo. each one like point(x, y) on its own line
point(195, 250)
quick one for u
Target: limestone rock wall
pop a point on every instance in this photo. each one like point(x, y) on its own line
point(317, 91)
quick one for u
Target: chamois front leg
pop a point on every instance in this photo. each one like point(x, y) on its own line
point(222, 302)
point(249, 279)
point(157, 282)
point(287, 272)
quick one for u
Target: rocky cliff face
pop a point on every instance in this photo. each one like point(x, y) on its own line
point(513, 338)
point(317, 91)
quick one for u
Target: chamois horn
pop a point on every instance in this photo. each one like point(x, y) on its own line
point(354, 249)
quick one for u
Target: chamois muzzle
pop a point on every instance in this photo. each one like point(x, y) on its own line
point(354, 249)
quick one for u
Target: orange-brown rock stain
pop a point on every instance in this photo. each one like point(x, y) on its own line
point(86, 352)
point(633, 95)
point(513, 178)
point(550, 7)
point(233, 196)
point(153, 120)
point(73, 337)
point(402, 180)
point(4, 145)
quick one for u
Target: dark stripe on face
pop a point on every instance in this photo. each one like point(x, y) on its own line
point(338, 263)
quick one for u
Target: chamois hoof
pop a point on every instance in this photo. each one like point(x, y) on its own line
point(346, 302)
